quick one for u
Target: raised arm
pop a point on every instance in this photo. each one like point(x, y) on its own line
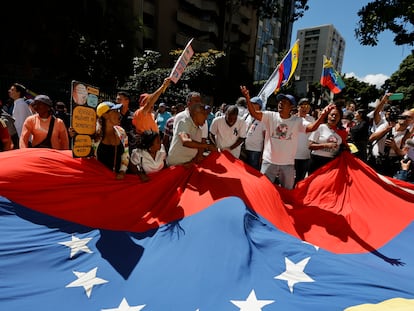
point(152, 99)
point(313, 126)
point(257, 114)
point(379, 108)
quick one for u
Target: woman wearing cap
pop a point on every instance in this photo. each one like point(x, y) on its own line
point(112, 146)
point(42, 128)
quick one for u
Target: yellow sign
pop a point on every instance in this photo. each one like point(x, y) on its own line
point(84, 120)
point(82, 146)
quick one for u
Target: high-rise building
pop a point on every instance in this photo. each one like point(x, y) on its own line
point(216, 24)
point(273, 38)
point(314, 43)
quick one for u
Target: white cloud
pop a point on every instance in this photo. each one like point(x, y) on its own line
point(374, 79)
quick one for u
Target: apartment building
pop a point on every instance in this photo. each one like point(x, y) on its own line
point(314, 43)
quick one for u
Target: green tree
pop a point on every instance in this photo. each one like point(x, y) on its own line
point(199, 75)
point(401, 81)
point(380, 15)
point(362, 92)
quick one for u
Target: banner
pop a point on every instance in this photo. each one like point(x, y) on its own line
point(182, 62)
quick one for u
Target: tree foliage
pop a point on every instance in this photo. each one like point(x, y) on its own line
point(199, 75)
point(401, 81)
point(380, 15)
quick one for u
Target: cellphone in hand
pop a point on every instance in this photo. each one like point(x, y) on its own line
point(396, 96)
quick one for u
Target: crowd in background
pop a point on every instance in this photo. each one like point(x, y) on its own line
point(286, 144)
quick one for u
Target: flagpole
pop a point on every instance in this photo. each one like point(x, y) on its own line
point(275, 71)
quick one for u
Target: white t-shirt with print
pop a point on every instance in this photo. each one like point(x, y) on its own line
point(254, 136)
point(303, 152)
point(281, 138)
point(226, 135)
point(325, 135)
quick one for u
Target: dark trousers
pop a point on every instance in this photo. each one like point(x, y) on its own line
point(301, 168)
point(317, 162)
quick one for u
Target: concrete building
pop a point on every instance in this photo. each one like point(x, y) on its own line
point(168, 25)
point(273, 37)
point(314, 43)
point(216, 24)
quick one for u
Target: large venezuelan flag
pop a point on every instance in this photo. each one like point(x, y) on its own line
point(218, 236)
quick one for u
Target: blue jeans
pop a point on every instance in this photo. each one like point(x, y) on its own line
point(253, 158)
point(284, 173)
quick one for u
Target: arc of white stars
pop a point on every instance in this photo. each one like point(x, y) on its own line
point(77, 245)
point(251, 303)
point(124, 306)
point(87, 280)
point(294, 273)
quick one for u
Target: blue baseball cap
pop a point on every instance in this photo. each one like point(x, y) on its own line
point(257, 100)
point(289, 97)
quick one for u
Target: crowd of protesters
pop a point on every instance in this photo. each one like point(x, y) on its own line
point(286, 144)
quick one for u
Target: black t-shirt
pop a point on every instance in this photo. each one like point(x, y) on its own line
point(126, 124)
point(110, 156)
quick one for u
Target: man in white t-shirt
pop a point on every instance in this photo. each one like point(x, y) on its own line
point(187, 145)
point(254, 137)
point(228, 132)
point(192, 98)
point(21, 109)
point(302, 157)
point(281, 138)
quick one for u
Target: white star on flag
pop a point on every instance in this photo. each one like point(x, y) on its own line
point(251, 303)
point(294, 273)
point(87, 280)
point(76, 245)
point(124, 306)
point(315, 246)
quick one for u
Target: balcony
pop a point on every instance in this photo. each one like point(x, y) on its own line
point(205, 5)
point(196, 23)
point(198, 46)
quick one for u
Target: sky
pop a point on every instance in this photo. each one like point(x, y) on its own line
point(369, 64)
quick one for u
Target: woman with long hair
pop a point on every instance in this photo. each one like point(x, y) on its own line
point(111, 147)
point(327, 141)
point(150, 155)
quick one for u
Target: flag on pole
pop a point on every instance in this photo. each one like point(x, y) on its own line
point(182, 62)
point(330, 77)
point(282, 74)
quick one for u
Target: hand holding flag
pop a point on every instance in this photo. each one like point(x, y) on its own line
point(282, 74)
point(182, 62)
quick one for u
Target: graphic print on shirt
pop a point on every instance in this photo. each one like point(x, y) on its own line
point(282, 132)
point(252, 128)
point(332, 139)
